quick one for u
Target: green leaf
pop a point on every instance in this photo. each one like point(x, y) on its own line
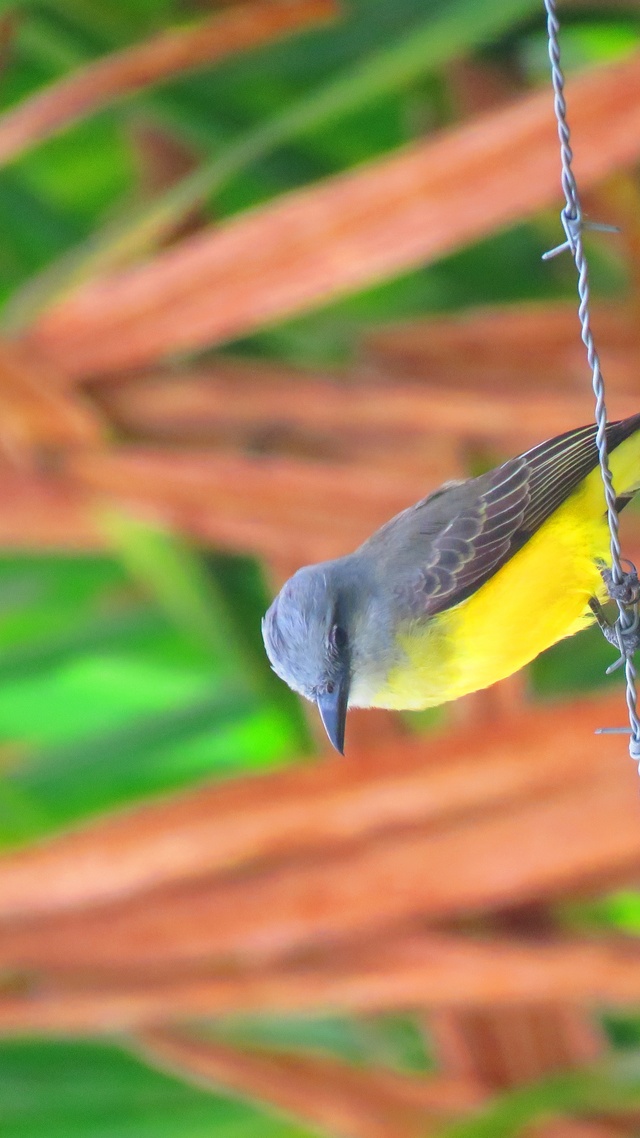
point(100, 631)
point(614, 1086)
point(130, 743)
point(174, 576)
point(54, 786)
point(389, 1040)
point(450, 30)
point(205, 602)
point(87, 1089)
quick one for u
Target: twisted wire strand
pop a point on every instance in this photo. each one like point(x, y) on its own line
point(573, 224)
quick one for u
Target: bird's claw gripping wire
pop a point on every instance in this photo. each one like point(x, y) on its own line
point(623, 634)
point(626, 640)
point(627, 590)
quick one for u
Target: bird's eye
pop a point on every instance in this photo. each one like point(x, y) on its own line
point(338, 638)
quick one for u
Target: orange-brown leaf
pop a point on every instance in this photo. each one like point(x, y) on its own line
point(572, 836)
point(506, 350)
point(322, 242)
point(37, 418)
point(323, 1092)
point(273, 506)
point(214, 828)
point(511, 1043)
point(506, 377)
point(181, 49)
point(263, 504)
point(407, 971)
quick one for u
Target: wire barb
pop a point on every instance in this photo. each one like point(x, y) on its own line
point(570, 224)
point(621, 583)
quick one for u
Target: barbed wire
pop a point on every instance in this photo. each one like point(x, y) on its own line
point(622, 583)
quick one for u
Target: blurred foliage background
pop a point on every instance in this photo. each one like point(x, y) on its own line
point(140, 672)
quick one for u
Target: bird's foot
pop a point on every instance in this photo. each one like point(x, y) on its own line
point(627, 590)
point(622, 634)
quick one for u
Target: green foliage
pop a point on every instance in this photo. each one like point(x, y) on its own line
point(613, 1087)
point(94, 1090)
point(387, 1040)
point(139, 685)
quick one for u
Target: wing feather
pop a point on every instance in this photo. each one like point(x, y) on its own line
point(493, 516)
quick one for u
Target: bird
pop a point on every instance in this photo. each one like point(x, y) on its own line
point(460, 590)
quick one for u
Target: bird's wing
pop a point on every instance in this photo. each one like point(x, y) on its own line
point(473, 528)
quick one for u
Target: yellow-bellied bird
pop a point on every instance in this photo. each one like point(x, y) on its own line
point(459, 590)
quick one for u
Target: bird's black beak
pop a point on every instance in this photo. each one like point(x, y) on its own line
point(333, 711)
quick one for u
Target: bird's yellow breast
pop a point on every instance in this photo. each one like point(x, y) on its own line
point(538, 597)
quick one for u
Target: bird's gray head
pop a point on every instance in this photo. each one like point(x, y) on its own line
point(308, 637)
